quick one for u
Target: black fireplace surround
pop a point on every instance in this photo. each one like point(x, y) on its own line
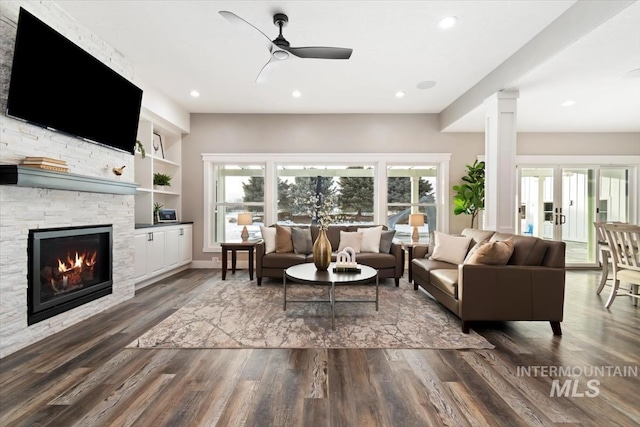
point(68, 267)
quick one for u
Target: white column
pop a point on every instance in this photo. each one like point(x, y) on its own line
point(500, 162)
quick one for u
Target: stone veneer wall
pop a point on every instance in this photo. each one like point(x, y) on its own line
point(24, 208)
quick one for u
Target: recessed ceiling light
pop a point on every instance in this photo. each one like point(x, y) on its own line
point(296, 94)
point(399, 94)
point(194, 93)
point(427, 84)
point(568, 103)
point(448, 22)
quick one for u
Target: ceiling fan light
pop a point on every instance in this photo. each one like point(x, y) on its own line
point(280, 54)
point(447, 22)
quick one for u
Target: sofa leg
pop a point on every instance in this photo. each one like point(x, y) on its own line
point(555, 327)
point(465, 327)
point(259, 281)
point(397, 282)
point(415, 286)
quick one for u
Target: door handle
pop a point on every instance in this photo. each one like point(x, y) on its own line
point(563, 219)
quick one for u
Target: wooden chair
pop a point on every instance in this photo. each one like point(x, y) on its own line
point(624, 245)
point(605, 253)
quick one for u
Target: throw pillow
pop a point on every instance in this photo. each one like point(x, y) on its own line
point(474, 249)
point(493, 253)
point(269, 237)
point(350, 239)
point(284, 243)
point(302, 243)
point(450, 249)
point(386, 238)
point(370, 239)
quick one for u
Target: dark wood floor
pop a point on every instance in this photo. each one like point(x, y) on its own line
point(85, 376)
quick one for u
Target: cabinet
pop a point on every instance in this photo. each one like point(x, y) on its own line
point(161, 249)
point(163, 148)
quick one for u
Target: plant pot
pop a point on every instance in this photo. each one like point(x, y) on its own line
point(322, 251)
point(159, 187)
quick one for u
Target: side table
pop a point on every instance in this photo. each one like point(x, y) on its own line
point(234, 246)
point(408, 246)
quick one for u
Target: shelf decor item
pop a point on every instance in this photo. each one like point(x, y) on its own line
point(156, 208)
point(244, 219)
point(415, 221)
point(157, 144)
point(140, 149)
point(161, 180)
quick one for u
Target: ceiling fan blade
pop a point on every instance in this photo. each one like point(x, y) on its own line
point(321, 52)
point(266, 70)
point(245, 26)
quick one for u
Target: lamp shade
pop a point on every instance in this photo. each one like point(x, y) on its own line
point(245, 218)
point(416, 220)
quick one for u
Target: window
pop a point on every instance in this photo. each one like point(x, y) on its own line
point(412, 189)
point(237, 188)
point(350, 188)
point(367, 188)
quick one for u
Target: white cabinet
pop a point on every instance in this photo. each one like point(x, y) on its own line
point(161, 249)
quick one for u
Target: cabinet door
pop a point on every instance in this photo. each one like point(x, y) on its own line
point(172, 255)
point(141, 259)
point(186, 245)
point(156, 254)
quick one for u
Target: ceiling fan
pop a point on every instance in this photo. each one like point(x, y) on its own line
point(279, 47)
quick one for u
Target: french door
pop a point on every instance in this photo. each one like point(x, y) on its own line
point(562, 202)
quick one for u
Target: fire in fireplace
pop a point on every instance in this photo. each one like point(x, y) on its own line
point(68, 267)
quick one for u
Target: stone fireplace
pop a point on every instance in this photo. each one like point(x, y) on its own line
point(68, 267)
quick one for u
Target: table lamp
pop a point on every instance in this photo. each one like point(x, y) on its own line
point(415, 221)
point(245, 218)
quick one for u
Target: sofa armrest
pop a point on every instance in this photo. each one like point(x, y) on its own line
point(398, 253)
point(510, 292)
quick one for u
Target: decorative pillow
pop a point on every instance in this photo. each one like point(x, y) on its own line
point(269, 237)
point(386, 238)
point(450, 248)
point(370, 239)
point(473, 250)
point(350, 239)
point(284, 243)
point(302, 243)
point(493, 253)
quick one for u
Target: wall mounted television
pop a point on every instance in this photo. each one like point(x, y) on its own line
point(57, 85)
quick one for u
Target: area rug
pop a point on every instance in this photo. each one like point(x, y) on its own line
point(239, 314)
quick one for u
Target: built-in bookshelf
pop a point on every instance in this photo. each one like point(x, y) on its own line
point(163, 155)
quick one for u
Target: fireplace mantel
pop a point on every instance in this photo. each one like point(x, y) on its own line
point(24, 176)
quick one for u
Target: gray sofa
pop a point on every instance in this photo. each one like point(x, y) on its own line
point(389, 265)
point(530, 287)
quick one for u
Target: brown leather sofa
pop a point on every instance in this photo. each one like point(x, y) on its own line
point(389, 265)
point(529, 287)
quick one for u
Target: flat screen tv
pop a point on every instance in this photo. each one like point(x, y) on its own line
point(57, 85)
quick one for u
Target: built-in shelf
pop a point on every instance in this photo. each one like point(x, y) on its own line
point(24, 176)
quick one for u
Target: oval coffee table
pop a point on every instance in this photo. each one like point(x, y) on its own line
point(308, 274)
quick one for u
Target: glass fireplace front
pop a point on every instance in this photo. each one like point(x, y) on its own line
point(68, 267)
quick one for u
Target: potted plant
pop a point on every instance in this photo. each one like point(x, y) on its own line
point(469, 197)
point(161, 180)
point(156, 207)
point(140, 149)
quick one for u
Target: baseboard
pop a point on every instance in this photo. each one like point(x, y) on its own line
point(240, 264)
point(159, 277)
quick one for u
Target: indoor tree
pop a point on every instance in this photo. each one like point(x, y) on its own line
point(469, 197)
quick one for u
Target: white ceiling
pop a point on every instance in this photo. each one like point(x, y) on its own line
point(178, 46)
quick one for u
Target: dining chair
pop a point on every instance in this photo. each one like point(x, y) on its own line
point(605, 253)
point(624, 245)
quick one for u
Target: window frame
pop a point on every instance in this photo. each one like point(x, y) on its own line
point(379, 161)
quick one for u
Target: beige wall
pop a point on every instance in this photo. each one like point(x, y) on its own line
point(354, 133)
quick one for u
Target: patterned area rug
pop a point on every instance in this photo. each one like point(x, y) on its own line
point(239, 314)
